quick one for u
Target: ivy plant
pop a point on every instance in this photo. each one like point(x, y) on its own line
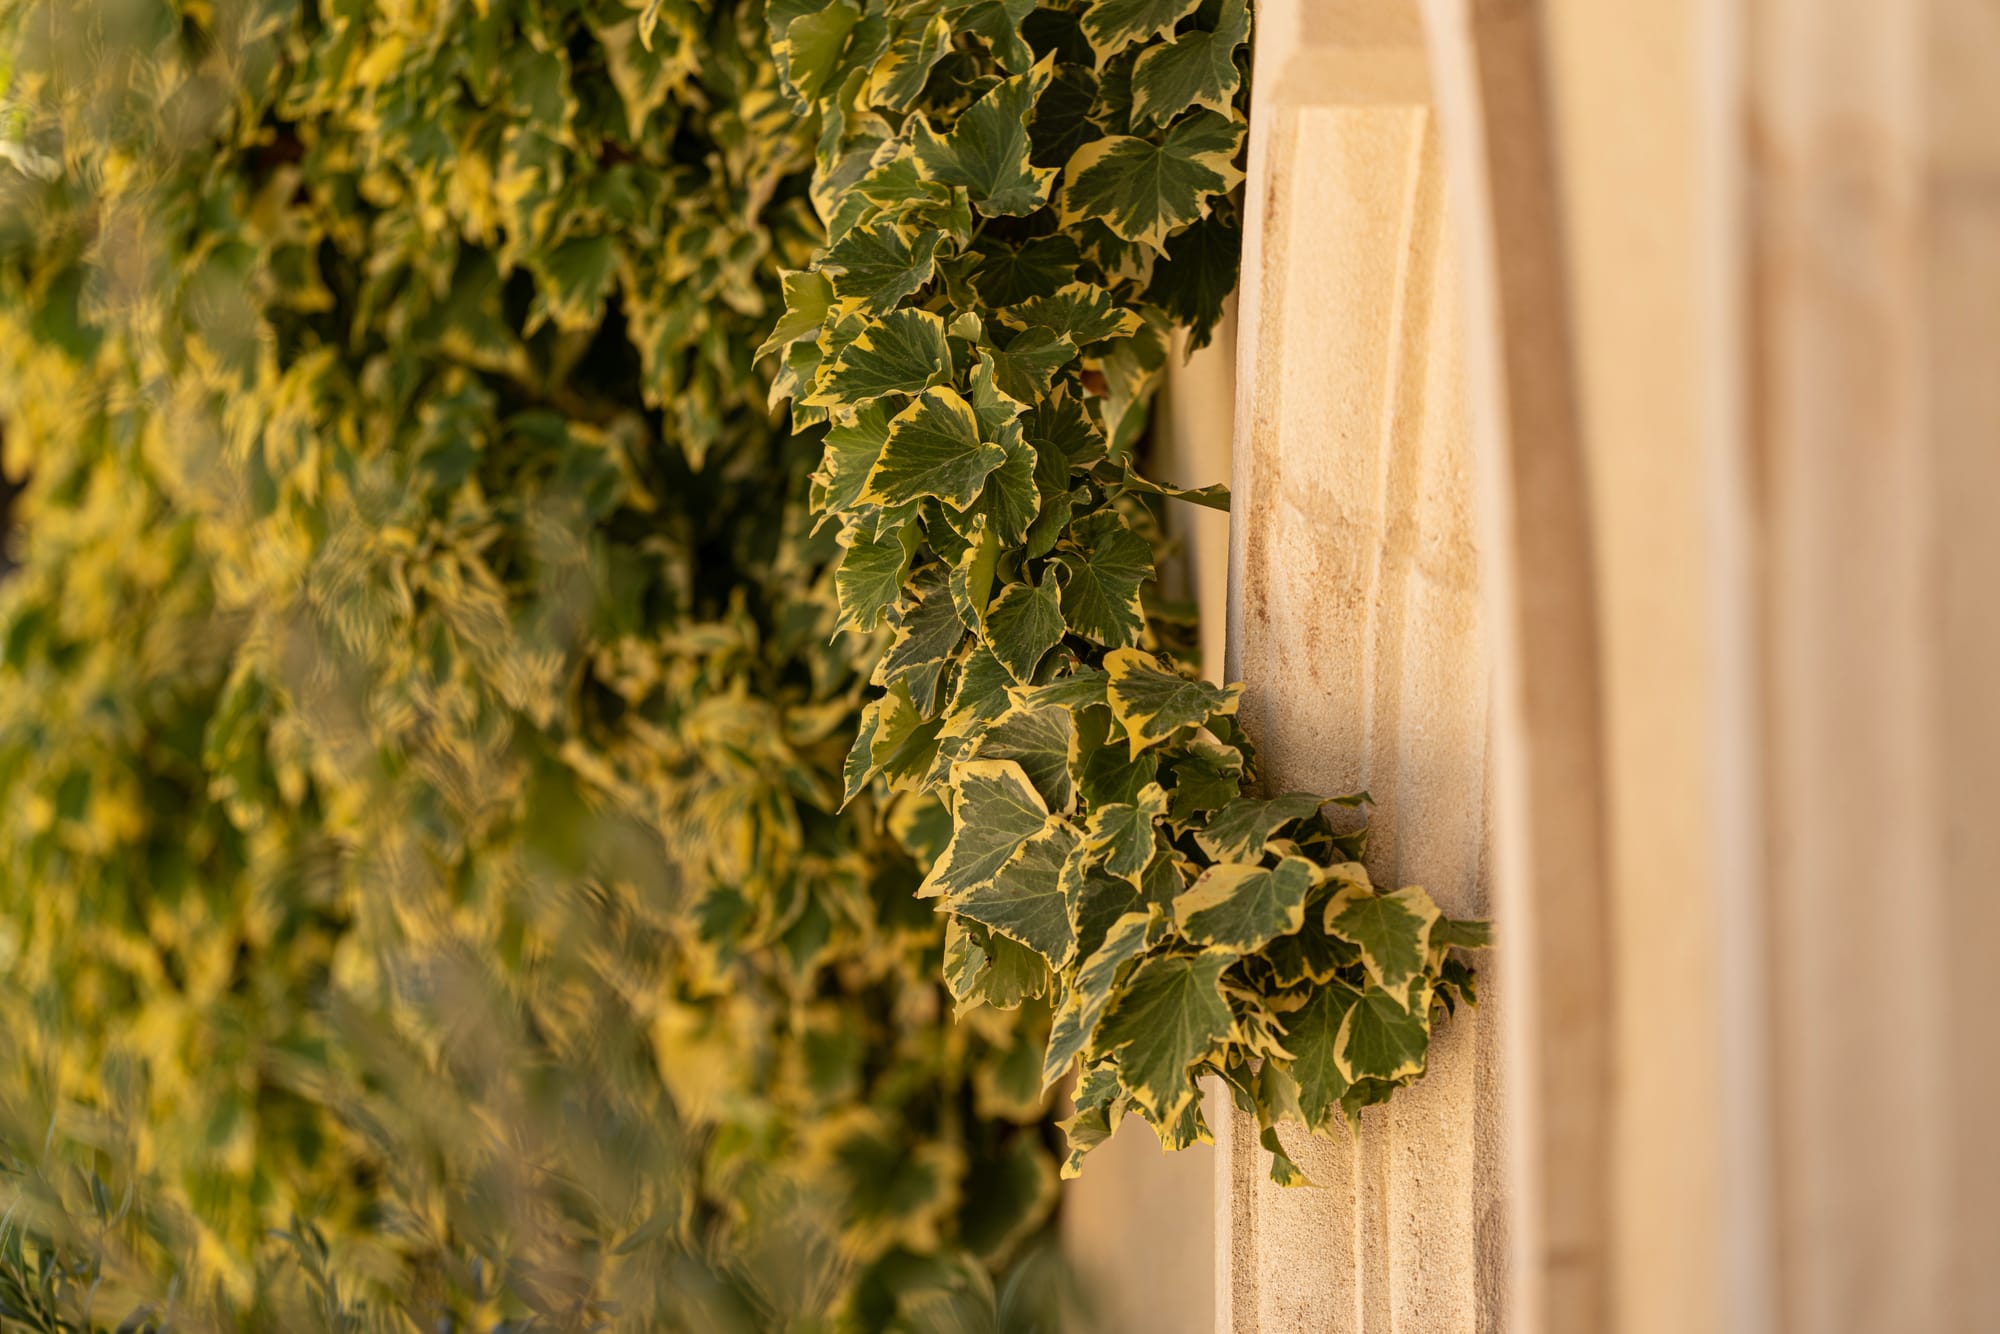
point(1021, 202)
point(424, 897)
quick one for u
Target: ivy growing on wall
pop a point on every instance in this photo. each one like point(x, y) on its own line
point(478, 780)
point(1021, 202)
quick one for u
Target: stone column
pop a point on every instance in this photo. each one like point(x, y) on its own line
point(1355, 622)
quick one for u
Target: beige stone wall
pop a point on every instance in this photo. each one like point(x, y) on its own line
point(1356, 622)
point(1705, 369)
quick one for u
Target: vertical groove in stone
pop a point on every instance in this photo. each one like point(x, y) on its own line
point(1356, 627)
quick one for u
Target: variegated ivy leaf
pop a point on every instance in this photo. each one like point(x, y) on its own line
point(1208, 775)
point(998, 22)
point(1023, 898)
point(808, 294)
point(980, 694)
point(1043, 743)
point(1082, 1009)
point(1100, 1105)
point(934, 448)
point(881, 264)
point(921, 40)
point(1080, 689)
point(972, 577)
point(1198, 273)
point(1024, 368)
point(1459, 933)
point(1106, 564)
point(1215, 497)
point(965, 960)
point(1240, 907)
point(1009, 502)
point(851, 451)
point(1237, 832)
point(987, 150)
point(904, 352)
point(1386, 1035)
point(1080, 312)
point(1121, 834)
point(1007, 274)
point(871, 574)
point(1312, 1033)
point(1195, 69)
point(1113, 25)
point(928, 633)
point(1169, 1015)
point(995, 811)
point(1393, 931)
point(1023, 624)
point(810, 46)
point(1153, 704)
point(1145, 191)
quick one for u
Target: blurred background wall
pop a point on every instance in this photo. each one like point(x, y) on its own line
point(1617, 459)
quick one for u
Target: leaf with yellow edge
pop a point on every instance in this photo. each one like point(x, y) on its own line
point(1121, 834)
point(1241, 907)
point(995, 811)
point(1153, 704)
point(934, 449)
point(1024, 898)
point(1386, 1035)
point(1393, 931)
point(1170, 1014)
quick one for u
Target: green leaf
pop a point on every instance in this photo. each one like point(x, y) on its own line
point(574, 281)
point(1107, 564)
point(1007, 274)
point(1197, 275)
point(995, 811)
point(1010, 501)
point(871, 574)
point(1312, 1035)
point(1083, 1008)
point(851, 452)
point(900, 71)
point(810, 48)
point(807, 297)
point(1024, 898)
point(1144, 191)
point(972, 579)
point(1043, 743)
point(1024, 623)
point(1393, 931)
point(881, 264)
point(1196, 69)
point(1237, 832)
point(1121, 834)
point(1170, 1014)
point(904, 352)
point(1240, 907)
point(1461, 933)
point(1080, 312)
point(1154, 704)
point(1385, 1035)
point(934, 449)
point(1214, 497)
point(1113, 25)
point(1029, 362)
point(1208, 776)
point(987, 150)
point(928, 633)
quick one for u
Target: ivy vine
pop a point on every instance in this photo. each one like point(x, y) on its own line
point(1021, 201)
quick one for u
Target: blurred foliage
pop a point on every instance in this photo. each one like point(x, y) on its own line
point(425, 899)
